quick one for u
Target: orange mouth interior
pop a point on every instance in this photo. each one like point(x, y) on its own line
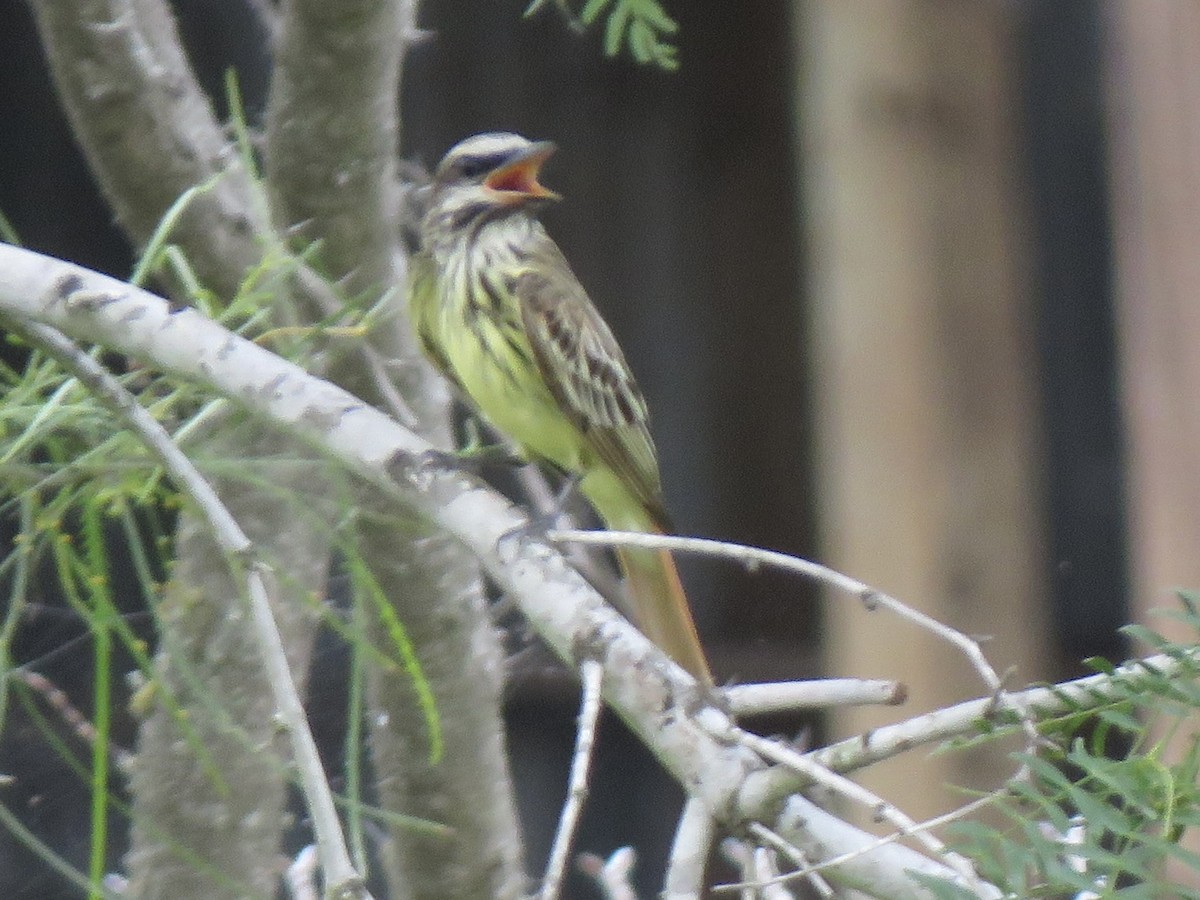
point(521, 177)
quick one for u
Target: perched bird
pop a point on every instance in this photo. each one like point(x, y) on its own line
point(498, 310)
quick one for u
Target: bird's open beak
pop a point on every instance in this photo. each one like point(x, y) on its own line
point(517, 178)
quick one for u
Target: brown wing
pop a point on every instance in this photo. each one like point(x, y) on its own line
point(587, 374)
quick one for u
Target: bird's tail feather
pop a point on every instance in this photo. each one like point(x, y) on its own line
point(661, 607)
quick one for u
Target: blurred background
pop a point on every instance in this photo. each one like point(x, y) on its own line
point(908, 285)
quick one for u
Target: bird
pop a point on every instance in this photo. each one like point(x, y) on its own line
point(497, 309)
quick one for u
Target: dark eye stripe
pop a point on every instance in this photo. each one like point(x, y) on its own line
point(474, 166)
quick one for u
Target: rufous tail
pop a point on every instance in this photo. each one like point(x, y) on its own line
point(661, 608)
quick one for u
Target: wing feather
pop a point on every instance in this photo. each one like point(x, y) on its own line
point(587, 374)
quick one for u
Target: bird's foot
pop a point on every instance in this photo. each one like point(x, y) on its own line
point(480, 452)
point(538, 526)
point(533, 528)
point(470, 459)
point(480, 455)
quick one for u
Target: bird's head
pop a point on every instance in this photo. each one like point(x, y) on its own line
point(487, 176)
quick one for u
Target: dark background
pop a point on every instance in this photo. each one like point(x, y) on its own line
point(682, 218)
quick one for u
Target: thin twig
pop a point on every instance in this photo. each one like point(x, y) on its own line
point(591, 676)
point(763, 867)
point(614, 876)
point(689, 853)
point(822, 693)
point(794, 854)
point(871, 597)
point(737, 853)
point(880, 808)
point(832, 862)
point(335, 859)
point(78, 722)
point(301, 875)
point(755, 883)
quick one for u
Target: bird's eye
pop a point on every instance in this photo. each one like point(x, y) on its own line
point(474, 166)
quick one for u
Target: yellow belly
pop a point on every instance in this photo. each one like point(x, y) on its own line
point(508, 390)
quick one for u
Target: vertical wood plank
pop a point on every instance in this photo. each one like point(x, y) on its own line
point(1155, 138)
point(923, 359)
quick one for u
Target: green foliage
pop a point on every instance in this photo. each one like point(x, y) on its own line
point(641, 26)
point(1106, 811)
point(78, 490)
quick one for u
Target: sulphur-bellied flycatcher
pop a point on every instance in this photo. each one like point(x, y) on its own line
point(499, 311)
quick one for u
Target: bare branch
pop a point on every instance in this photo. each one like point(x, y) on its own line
point(795, 855)
point(613, 875)
point(880, 809)
point(591, 674)
point(753, 557)
point(301, 876)
point(807, 869)
point(689, 853)
point(963, 719)
point(821, 693)
point(871, 597)
point(759, 880)
point(876, 867)
point(67, 710)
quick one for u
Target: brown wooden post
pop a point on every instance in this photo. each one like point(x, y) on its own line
point(1154, 120)
point(923, 357)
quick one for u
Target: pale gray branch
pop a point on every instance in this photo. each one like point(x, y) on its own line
point(863, 862)
point(614, 876)
point(794, 855)
point(871, 597)
point(807, 870)
point(151, 137)
point(820, 693)
point(856, 793)
point(301, 876)
point(591, 675)
point(689, 853)
point(154, 144)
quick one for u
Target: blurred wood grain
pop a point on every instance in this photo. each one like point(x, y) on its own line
point(924, 365)
point(1154, 116)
